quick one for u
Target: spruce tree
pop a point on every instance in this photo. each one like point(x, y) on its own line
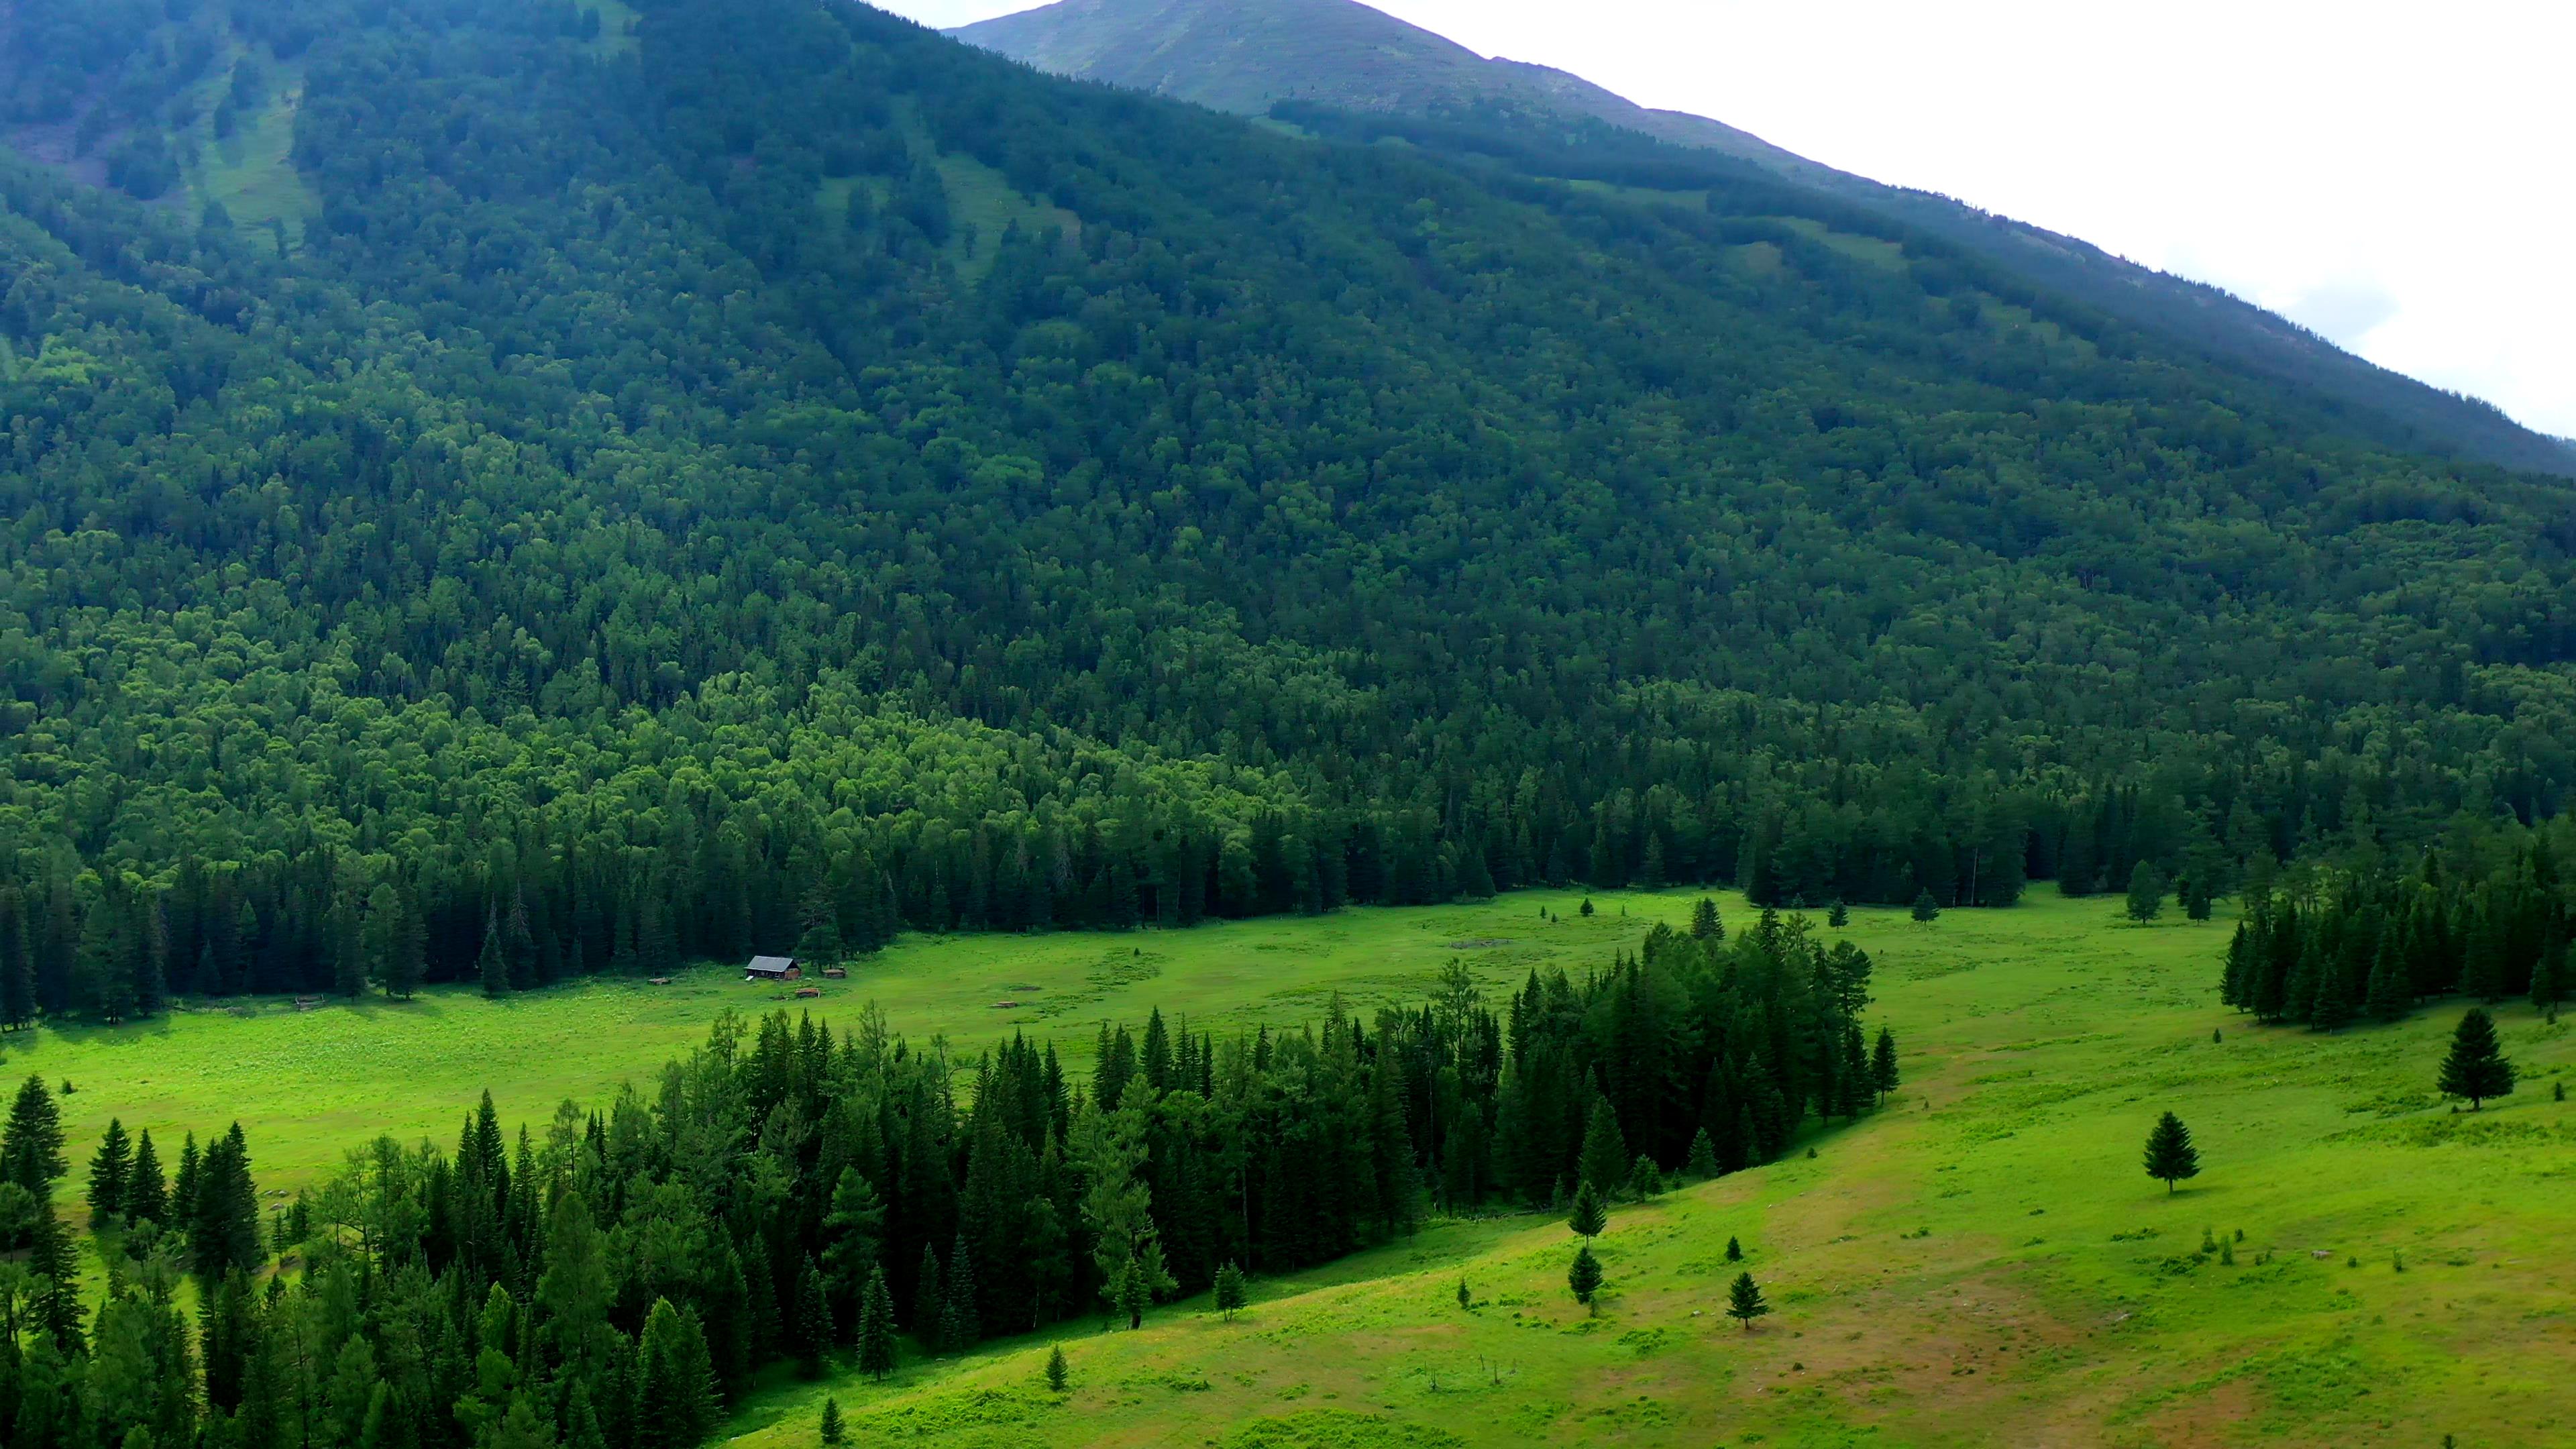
point(2476, 1067)
point(1705, 924)
point(1839, 916)
point(929, 1298)
point(2390, 993)
point(2170, 1156)
point(1926, 909)
point(491, 966)
point(1230, 1292)
point(31, 1144)
point(1584, 1277)
point(1734, 1250)
point(675, 1399)
point(830, 1430)
point(2548, 978)
point(1702, 1162)
point(1744, 1301)
point(110, 1168)
point(2332, 1006)
point(147, 1197)
point(960, 1323)
point(813, 1325)
point(1058, 1373)
point(1883, 1075)
point(876, 1327)
point(1645, 1180)
point(1605, 1162)
point(1590, 1215)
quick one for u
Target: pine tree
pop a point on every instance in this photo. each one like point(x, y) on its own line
point(1734, 1250)
point(1702, 1162)
point(2476, 1067)
point(1230, 1294)
point(2390, 991)
point(2332, 1006)
point(147, 1197)
point(1590, 1214)
point(960, 1324)
point(491, 966)
point(813, 1325)
point(1705, 923)
point(2170, 1156)
point(1839, 916)
point(109, 1171)
point(876, 1327)
point(1744, 1301)
point(1605, 1162)
point(830, 1431)
point(1058, 1373)
point(1883, 1075)
point(675, 1399)
point(2548, 977)
point(1645, 1180)
point(1926, 909)
point(2146, 892)
point(929, 1298)
point(1585, 1277)
point(31, 1145)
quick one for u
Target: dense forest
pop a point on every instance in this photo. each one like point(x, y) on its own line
point(2485, 914)
point(616, 1276)
point(770, 477)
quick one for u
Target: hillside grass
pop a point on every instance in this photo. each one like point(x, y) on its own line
point(1981, 1262)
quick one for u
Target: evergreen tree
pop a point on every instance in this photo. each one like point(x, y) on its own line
point(675, 1386)
point(2390, 992)
point(1058, 1373)
point(1744, 1301)
point(1585, 1277)
point(1734, 1250)
point(2476, 1067)
point(110, 1170)
point(2146, 892)
point(1926, 909)
point(1883, 1075)
point(1230, 1294)
point(1702, 1162)
point(2193, 890)
point(929, 1298)
point(876, 1327)
point(1605, 1162)
point(31, 1144)
point(1705, 923)
point(813, 1325)
point(1589, 1216)
point(2548, 978)
point(147, 1197)
point(830, 1430)
point(2333, 1004)
point(960, 1324)
point(491, 965)
point(2170, 1156)
point(1838, 916)
point(1645, 1180)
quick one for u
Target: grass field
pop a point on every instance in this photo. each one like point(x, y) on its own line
point(1981, 1263)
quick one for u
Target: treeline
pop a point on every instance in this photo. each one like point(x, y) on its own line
point(617, 1276)
point(2487, 915)
point(627, 521)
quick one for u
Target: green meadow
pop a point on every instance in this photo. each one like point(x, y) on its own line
point(1981, 1262)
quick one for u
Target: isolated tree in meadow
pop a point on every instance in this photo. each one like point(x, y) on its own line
point(1058, 1372)
point(2170, 1156)
point(1230, 1294)
point(1466, 1295)
point(876, 1326)
point(1586, 908)
point(1926, 909)
point(1744, 1301)
point(2146, 892)
point(830, 1431)
point(2476, 1067)
point(1589, 1214)
point(1605, 1163)
point(1734, 1250)
point(1585, 1277)
point(1705, 923)
point(1883, 1076)
point(2193, 891)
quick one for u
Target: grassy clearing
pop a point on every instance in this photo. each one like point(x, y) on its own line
point(1984, 1262)
point(985, 205)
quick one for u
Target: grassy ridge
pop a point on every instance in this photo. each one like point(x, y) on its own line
point(1982, 1263)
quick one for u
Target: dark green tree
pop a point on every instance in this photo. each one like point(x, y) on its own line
point(1744, 1301)
point(876, 1327)
point(2170, 1156)
point(147, 1195)
point(1590, 1214)
point(830, 1430)
point(1584, 1278)
point(960, 1325)
point(1734, 1250)
point(2146, 892)
point(1705, 924)
point(1058, 1373)
point(1230, 1295)
point(2476, 1067)
point(1702, 1162)
point(1838, 916)
point(1645, 1180)
point(1605, 1163)
point(1926, 909)
point(111, 1169)
point(813, 1322)
point(1883, 1074)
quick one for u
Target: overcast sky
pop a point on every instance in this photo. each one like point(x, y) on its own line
point(2400, 178)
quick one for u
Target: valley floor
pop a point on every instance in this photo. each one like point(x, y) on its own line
point(1982, 1262)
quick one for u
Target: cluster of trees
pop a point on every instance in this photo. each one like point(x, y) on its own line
point(2487, 915)
point(616, 1276)
point(634, 523)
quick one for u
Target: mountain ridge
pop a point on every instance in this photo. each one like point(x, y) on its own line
point(1252, 56)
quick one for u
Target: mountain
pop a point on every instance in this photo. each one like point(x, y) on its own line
point(598, 486)
point(1252, 57)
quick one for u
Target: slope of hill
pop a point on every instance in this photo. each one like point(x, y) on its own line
point(1249, 56)
point(767, 475)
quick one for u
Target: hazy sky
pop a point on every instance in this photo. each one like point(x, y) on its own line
point(2400, 178)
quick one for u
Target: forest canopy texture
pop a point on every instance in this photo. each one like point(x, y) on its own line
point(767, 476)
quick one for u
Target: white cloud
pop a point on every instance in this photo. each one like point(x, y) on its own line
point(2396, 177)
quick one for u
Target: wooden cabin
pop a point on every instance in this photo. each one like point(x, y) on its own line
point(772, 968)
point(836, 973)
point(807, 993)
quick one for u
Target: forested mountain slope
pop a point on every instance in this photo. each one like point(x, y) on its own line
point(1253, 56)
point(738, 473)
